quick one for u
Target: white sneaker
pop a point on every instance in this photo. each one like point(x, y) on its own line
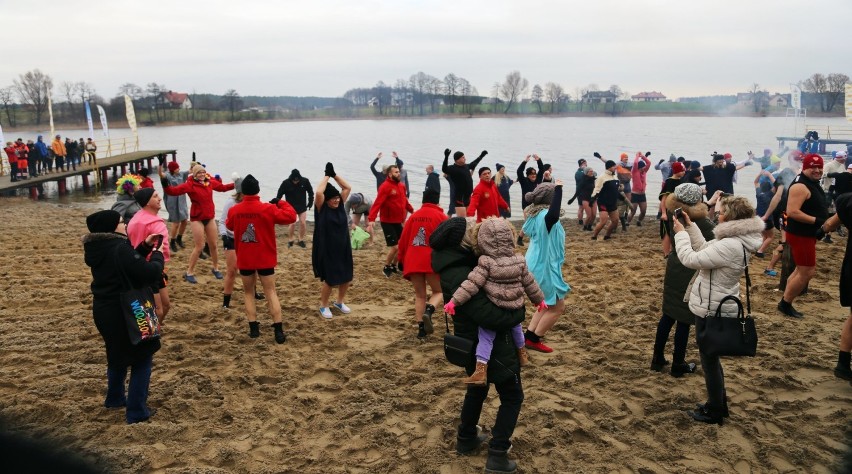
point(325, 313)
point(342, 307)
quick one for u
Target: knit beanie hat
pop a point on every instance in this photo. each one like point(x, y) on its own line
point(103, 221)
point(688, 193)
point(196, 169)
point(499, 167)
point(448, 234)
point(457, 155)
point(431, 196)
point(143, 196)
point(609, 164)
point(330, 192)
point(694, 165)
point(542, 194)
point(250, 186)
point(677, 167)
point(295, 175)
point(812, 160)
point(173, 166)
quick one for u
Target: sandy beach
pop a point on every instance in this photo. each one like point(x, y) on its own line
point(360, 394)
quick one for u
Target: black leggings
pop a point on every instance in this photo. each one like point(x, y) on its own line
point(680, 340)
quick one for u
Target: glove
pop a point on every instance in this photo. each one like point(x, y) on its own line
point(446, 152)
point(274, 200)
point(484, 152)
point(329, 170)
point(597, 155)
point(161, 159)
point(542, 306)
point(647, 154)
point(820, 233)
point(749, 163)
point(450, 308)
point(661, 162)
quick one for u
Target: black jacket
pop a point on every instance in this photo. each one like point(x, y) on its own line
point(107, 254)
point(528, 186)
point(300, 195)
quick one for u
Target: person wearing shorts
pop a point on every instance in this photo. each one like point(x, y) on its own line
point(392, 205)
point(253, 224)
point(807, 211)
point(606, 192)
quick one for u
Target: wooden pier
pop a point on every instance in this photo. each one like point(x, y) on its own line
point(99, 168)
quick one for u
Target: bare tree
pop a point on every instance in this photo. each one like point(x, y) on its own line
point(7, 99)
point(451, 87)
point(513, 88)
point(835, 87)
point(818, 84)
point(382, 93)
point(434, 89)
point(419, 83)
point(401, 91)
point(34, 88)
point(231, 100)
point(554, 95)
point(758, 97)
point(86, 92)
point(466, 91)
point(155, 93)
point(536, 96)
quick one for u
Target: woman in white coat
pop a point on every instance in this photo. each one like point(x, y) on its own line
point(720, 263)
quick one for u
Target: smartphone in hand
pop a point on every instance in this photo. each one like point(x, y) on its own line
point(678, 214)
point(158, 243)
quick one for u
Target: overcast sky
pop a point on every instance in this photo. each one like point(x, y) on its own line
point(323, 48)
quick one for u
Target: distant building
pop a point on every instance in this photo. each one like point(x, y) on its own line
point(177, 100)
point(779, 100)
point(599, 97)
point(649, 97)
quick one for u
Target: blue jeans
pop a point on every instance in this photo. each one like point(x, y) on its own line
point(137, 390)
point(511, 398)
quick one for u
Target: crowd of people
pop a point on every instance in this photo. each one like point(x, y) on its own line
point(469, 264)
point(35, 158)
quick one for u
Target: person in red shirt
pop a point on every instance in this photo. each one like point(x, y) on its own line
point(23, 156)
point(416, 257)
point(146, 181)
point(253, 224)
point(199, 187)
point(393, 206)
point(486, 200)
point(12, 155)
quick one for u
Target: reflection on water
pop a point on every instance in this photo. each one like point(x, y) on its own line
point(270, 151)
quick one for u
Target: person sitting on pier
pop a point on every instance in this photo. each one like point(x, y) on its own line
point(199, 187)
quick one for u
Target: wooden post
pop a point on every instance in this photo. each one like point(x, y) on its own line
point(149, 163)
point(103, 176)
point(86, 182)
point(123, 170)
point(33, 193)
point(62, 186)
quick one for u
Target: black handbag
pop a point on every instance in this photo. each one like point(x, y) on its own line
point(718, 336)
point(458, 350)
point(138, 308)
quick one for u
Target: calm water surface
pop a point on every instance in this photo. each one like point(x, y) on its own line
point(270, 151)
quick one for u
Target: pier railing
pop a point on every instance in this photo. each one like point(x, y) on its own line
point(106, 148)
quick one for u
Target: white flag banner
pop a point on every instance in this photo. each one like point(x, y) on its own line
point(2, 140)
point(102, 113)
point(89, 121)
point(50, 112)
point(849, 102)
point(131, 113)
point(795, 96)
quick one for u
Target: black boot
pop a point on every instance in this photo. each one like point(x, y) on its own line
point(499, 462)
point(173, 245)
point(706, 414)
point(725, 413)
point(254, 329)
point(470, 445)
point(658, 362)
point(679, 369)
point(280, 337)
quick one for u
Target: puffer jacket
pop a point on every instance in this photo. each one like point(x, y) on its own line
point(677, 276)
point(501, 272)
point(719, 263)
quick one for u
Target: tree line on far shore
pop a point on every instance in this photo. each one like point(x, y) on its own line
point(25, 101)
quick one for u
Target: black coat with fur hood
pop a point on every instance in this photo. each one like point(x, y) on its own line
point(677, 276)
point(107, 254)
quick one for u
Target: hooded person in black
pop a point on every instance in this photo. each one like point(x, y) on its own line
point(297, 191)
point(459, 174)
point(115, 264)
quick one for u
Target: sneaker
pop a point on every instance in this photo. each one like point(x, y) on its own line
point(289, 244)
point(325, 313)
point(679, 370)
point(759, 254)
point(388, 271)
point(771, 273)
point(342, 307)
point(537, 346)
point(203, 256)
point(302, 243)
point(844, 373)
point(788, 310)
point(217, 274)
point(190, 278)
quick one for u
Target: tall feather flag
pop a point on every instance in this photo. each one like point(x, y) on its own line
point(2, 140)
point(795, 96)
point(131, 114)
point(50, 112)
point(849, 102)
point(89, 121)
point(102, 113)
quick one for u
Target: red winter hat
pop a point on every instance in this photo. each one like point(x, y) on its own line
point(173, 166)
point(812, 160)
point(677, 167)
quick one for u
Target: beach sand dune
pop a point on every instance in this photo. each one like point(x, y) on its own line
point(360, 393)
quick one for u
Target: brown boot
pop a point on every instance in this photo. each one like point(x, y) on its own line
point(479, 376)
point(523, 356)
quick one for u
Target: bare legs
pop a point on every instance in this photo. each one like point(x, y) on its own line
point(590, 212)
point(609, 216)
point(420, 280)
point(273, 305)
point(291, 229)
point(797, 281)
point(198, 240)
point(543, 321)
point(325, 293)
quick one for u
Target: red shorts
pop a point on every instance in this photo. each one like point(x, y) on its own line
point(803, 249)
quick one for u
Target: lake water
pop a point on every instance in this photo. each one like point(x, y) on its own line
point(270, 151)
